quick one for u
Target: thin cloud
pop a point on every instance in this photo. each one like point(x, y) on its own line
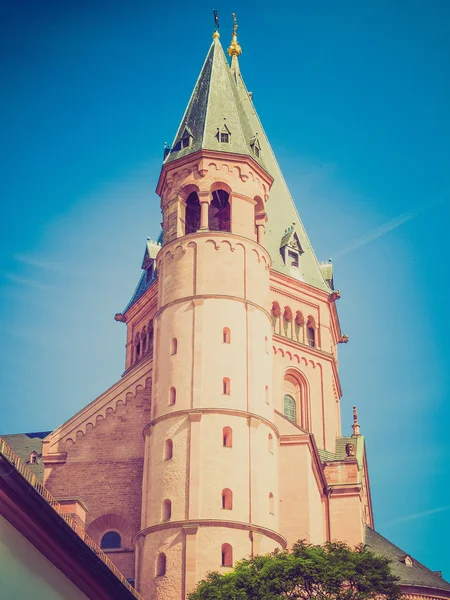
point(419, 515)
point(391, 225)
point(40, 264)
point(26, 282)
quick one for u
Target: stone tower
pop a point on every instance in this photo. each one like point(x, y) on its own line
point(222, 439)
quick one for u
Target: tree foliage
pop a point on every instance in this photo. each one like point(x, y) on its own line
point(307, 572)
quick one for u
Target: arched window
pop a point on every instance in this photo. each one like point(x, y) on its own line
point(270, 440)
point(311, 332)
point(290, 408)
point(227, 499)
point(137, 345)
point(271, 509)
point(192, 213)
point(174, 346)
point(168, 450)
point(150, 336)
point(295, 399)
point(160, 565)
point(276, 310)
point(219, 211)
point(226, 386)
point(226, 335)
point(166, 510)
point(227, 436)
point(172, 396)
point(227, 555)
point(110, 540)
point(144, 339)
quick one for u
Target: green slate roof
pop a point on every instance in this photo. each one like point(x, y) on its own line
point(415, 575)
point(215, 106)
point(220, 99)
point(23, 444)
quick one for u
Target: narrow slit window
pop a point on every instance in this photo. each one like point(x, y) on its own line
point(227, 437)
point(166, 510)
point(227, 555)
point(168, 450)
point(226, 335)
point(174, 346)
point(271, 504)
point(270, 441)
point(227, 499)
point(172, 396)
point(226, 386)
point(161, 565)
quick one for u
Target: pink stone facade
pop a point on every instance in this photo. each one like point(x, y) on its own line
point(191, 457)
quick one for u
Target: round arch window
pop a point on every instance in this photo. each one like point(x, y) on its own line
point(110, 540)
point(290, 408)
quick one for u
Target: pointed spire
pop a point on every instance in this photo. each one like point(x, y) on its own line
point(356, 426)
point(215, 118)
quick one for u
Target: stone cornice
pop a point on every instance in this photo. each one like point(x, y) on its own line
point(196, 159)
point(193, 298)
point(205, 411)
point(278, 279)
point(212, 523)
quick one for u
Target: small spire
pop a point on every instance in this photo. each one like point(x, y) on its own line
point(234, 49)
point(356, 427)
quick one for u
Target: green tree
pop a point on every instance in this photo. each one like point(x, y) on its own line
point(307, 572)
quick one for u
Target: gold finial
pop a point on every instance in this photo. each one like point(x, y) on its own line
point(216, 35)
point(234, 49)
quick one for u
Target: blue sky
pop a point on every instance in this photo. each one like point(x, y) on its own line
point(354, 98)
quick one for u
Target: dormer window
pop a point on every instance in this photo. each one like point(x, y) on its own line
point(186, 139)
point(408, 561)
point(224, 135)
point(290, 248)
point(33, 458)
point(255, 146)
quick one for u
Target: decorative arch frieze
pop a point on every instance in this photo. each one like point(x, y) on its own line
point(93, 420)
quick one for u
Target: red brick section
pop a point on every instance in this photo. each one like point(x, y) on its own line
point(104, 468)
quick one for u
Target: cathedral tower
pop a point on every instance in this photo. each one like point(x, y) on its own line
point(210, 442)
point(223, 436)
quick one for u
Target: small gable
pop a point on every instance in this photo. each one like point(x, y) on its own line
point(255, 146)
point(290, 248)
point(223, 134)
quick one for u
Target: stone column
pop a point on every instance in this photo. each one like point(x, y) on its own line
point(204, 199)
point(260, 227)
